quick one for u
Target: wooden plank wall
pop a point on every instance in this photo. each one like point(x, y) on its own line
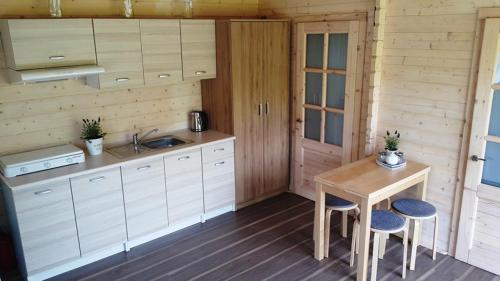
point(142, 8)
point(427, 53)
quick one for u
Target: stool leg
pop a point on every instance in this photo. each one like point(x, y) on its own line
point(376, 240)
point(343, 228)
point(328, 216)
point(381, 248)
point(414, 243)
point(434, 243)
point(354, 240)
point(405, 247)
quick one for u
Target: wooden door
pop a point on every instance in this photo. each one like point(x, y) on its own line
point(326, 71)
point(247, 81)
point(275, 99)
point(198, 49)
point(478, 241)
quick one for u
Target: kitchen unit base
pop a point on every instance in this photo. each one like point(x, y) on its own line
point(129, 245)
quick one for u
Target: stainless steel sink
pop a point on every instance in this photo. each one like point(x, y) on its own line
point(165, 142)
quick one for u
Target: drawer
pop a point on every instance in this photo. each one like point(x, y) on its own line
point(99, 209)
point(46, 225)
point(217, 151)
point(145, 197)
point(218, 183)
point(184, 186)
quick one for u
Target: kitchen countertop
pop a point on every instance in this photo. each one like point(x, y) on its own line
point(106, 160)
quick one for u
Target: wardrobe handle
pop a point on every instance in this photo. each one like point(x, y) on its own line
point(260, 109)
point(267, 108)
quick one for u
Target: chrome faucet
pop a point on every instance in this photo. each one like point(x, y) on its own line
point(136, 141)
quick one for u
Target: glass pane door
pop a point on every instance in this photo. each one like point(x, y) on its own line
point(491, 168)
point(325, 86)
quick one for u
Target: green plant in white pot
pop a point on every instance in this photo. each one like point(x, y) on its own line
point(93, 135)
point(391, 148)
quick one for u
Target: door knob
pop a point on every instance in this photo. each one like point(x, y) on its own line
point(475, 158)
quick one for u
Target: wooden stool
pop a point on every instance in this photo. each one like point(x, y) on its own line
point(334, 203)
point(417, 210)
point(383, 223)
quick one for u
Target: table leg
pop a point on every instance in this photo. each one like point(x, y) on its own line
point(319, 223)
point(364, 240)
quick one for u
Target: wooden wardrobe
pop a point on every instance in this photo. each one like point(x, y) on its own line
point(250, 99)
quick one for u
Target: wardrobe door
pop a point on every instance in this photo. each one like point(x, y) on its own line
point(248, 113)
point(275, 97)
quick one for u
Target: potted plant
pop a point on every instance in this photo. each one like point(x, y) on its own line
point(93, 135)
point(391, 147)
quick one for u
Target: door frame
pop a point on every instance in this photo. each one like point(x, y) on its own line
point(360, 100)
point(460, 237)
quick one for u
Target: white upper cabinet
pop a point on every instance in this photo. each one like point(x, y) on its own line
point(41, 43)
point(118, 48)
point(198, 49)
point(161, 51)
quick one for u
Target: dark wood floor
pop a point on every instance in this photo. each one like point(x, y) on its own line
point(268, 241)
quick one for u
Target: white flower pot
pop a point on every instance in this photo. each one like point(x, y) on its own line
point(391, 157)
point(94, 146)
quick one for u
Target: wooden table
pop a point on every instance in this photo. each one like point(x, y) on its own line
point(365, 183)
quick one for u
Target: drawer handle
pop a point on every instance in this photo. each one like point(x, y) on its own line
point(56, 57)
point(218, 149)
point(43, 192)
point(219, 163)
point(166, 75)
point(144, 168)
point(122, 79)
point(200, 72)
point(183, 158)
point(97, 179)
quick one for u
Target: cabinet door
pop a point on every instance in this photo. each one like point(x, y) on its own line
point(246, 64)
point(161, 51)
point(275, 93)
point(118, 48)
point(184, 186)
point(46, 225)
point(39, 43)
point(218, 183)
point(145, 197)
point(198, 49)
point(100, 217)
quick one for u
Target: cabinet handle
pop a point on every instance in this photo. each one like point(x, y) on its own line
point(97, 179)
point(219, 163)
point(183, 158)
point(163, 75)
point(43, 192)
point(122, 79)
point(260, 109)
point(219, 149)
point(267, 108)
point(144, 168)
point(200, 72)
point(56, 57)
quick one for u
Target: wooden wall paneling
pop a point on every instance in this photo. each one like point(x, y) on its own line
point(275, 96)
point(247, 64)
point(118, 49)
point(161, 51)
point(217, 94)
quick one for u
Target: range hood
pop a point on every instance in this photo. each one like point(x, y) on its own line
point(53, 74)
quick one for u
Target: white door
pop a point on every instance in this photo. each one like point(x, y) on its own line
point(478, 240)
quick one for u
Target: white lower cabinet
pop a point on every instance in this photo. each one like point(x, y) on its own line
point(100, 216)
point(184, 185)
point(45, 225)
point(218, 184)
point(145, 197)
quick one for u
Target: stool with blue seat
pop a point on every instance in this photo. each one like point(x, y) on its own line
point(416, 211)
point(334, 203)
point(383, 223)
